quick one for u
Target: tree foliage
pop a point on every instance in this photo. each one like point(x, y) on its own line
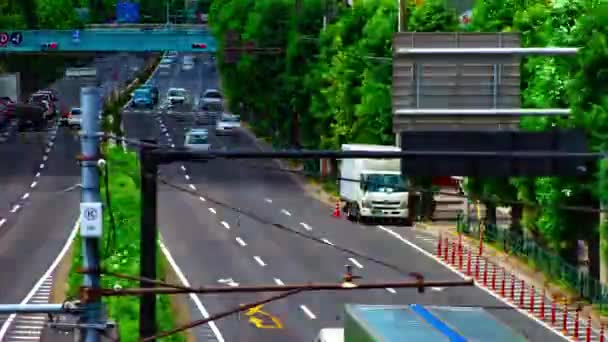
point(333, 85)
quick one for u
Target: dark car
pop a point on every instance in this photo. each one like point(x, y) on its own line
point(8, 107)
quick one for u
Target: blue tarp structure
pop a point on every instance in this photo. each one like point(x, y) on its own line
point(127, 12)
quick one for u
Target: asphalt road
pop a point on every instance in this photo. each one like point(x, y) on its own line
point(32, 236)
point(212, 243)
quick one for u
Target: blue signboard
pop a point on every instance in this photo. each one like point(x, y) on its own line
point(127, 12)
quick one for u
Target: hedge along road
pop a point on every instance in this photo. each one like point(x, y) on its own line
point(34, 234)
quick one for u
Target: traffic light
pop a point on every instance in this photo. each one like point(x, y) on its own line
point(199, 46)
point(49, 46)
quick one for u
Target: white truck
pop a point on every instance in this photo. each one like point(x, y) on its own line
point(10, 86)
point(373, 188)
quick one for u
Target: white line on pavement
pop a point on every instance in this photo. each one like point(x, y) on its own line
point(172, 145)
point(42, 166)
point(33, 185)
point(2, 222)
point(40, 281)
point(212, 210)
point(45, 157)
point(307, 227)
point(355, 262)
point(187, 177)
point(285, 212)
point(431, 256)
point(259, 260)
point(279, 282)
point(391, 290)
point(193, 297)
point(15, 208)
point(225, 224)
point(37, 174)
point(240, 241)
point(192, 186)
point(183, 168)
point(201, 198)
point(308, 312)
point(268, 200)
point(25, 196)
point(327, 241)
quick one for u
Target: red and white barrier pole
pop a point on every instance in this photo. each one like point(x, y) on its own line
point(512, 287)
point(446, 243)
point(532, 294)
point(502, 283)
point(469, 257)
point(460, 259)
point(494, 277)
point(602, 332)
point(565, 320)
point(453, 253)
point(542, 305)
point(439, 246)
point(522, 289)
point(576, 323)
point(477, 267)
point(588, 330)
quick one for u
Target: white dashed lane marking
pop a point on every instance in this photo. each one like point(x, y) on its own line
point(187, 177)
point(202, 198)
point(2, 222)
point(391, 290)
point(279, 282)
point(285, 212)
point(307, 227)
point(37, 174)
point(192, 187)
point(308, 312)
point(225, 224)
point(355, 262)
point(327, 241)
point(25, 196)
point(15, 208)
point(42, 166)
point(33, 185)
point(259, 261)
point(240, 241)
point(183, 168)
point(212, 210)
point(268, 200)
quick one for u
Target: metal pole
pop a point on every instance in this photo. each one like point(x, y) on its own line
point(89, 101)
point(149, 235)
point(32, 308)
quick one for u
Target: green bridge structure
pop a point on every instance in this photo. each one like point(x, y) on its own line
point(110, 38)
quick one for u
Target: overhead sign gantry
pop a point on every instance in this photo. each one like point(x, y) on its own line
point(116, 39)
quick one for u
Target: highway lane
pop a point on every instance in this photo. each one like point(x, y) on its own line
point(33, 236)
point(210, 243)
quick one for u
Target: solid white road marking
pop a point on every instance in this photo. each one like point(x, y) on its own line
point(308, 312)
point(212, 210)
point(202, 198)
point(327, 241)
point(355, 262)
point(194, 297)
point(225, 224)
point(391, 290)
point(268, 200)
point(259, 260)
point(285, 212)
point(25, 196)
point(431, 256)
point(192, 187)
point(240, 241)
point(40, 281)
point(279, 281)
point(307, 227)
point(33, 185)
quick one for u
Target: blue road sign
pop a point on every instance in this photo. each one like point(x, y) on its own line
point(4, 38)
point(16, 38)
point(76, 36)
point(127, 12)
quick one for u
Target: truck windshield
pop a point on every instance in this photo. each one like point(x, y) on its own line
point(384, 183)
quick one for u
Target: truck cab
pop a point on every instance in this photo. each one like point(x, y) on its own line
point(373, 188)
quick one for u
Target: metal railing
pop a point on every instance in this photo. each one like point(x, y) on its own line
point(555, 268)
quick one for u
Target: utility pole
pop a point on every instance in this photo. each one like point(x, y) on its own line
point(149, 236)
point(90, 205)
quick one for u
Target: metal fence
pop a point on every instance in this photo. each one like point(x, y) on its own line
point(555, 268)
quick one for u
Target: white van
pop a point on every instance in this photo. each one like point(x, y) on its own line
point(330, 335)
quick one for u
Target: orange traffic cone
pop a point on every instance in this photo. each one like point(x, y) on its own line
point(337, 210)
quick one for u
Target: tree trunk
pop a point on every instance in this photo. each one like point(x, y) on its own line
point(517, 211)
point(490, 213)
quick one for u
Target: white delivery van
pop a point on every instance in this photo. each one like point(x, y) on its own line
point(373, 188)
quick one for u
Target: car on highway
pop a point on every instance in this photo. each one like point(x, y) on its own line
point(188, 63)
point(197, 139)
point(177, 98)
point(8, 107)
point(74, 118)
point(227, 124)
point(172, 55)
point(142, 98)
point(44, 99)
point(211, 96)
point(208, 112)
point(153, 91)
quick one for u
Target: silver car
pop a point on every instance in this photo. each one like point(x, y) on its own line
point(197, 139)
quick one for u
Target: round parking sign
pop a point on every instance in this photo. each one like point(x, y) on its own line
point(4, 38)
point(16, 38)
